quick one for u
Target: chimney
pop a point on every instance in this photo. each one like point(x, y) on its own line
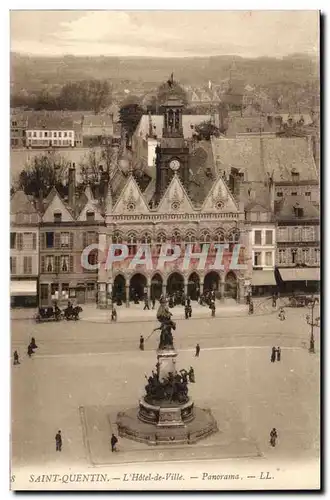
point(72, 185)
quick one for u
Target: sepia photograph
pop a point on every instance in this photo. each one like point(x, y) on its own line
point(165, 250)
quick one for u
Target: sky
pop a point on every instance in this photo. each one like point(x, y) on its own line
point(164, 33)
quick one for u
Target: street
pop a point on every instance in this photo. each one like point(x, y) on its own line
point(84, 370)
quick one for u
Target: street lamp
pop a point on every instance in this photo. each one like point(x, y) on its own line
point(312, 323)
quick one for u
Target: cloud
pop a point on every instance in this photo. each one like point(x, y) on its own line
point(167, 33)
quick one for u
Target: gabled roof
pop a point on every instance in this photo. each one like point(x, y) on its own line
point(220, 198)
point(131, 199)
point(20, 203)
point(54, 203)
point(175, 198)
point(90, 206)
point(257, 155)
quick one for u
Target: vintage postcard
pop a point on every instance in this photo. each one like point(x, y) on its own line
point(165, 250)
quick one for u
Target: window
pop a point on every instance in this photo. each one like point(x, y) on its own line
point(269, 258)
point(298, 212)
point(308, 194)
point(281, 233)
point(257, 237)
point(294, 256)
point(34, 241)
point(294, 193)
point(269, 237)
point(296, 234)
point(55, 134)
point(44, 291)
point(281, 256)
point(90, 216)
point(317, 255)
point(176, 238)
point(34, 134)
point(57, 217)
point(64, 263)
point(29, 133)
point(54, 288)
point(257, 259)
point(279, 194)
point(27, 265)
point(46, 134)
point(60, 134)
point(40, 134)
point(14, 124)
point(70, 134)
point(12, 240)
point(295, 176)
point(91, 237)
point(305, 255)
point(308, 233)
point(65, 134)
point(12, 265)
point(65, 240)
point(19, 241)
point(49, 263)
point(49, 240)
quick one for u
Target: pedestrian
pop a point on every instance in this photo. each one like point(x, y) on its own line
point(251, 307)
point(33, 343)
point(146, 304)
point(278, 354)
point(281, 314)
point(212, 307)
point(113, 314)
point(153, 302)
point(197, 351)
point(189, 311)
point(114, 441)
point(16, 358)
point(274, 300)
point(141, 343)
point(273, 437)
point(58, 441)
point(186, 311)
point(30, 351)
point(273, 355)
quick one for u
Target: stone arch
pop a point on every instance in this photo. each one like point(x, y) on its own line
point(156, 286)
point(176, 236)
point(211, 281)
point(190, 236)
point(146, 237)
point(138, 286)
point(193, 286)
point(117, 237)
point(219, 235)
point(231, 285)
point(233, 235)
point(175, 282)
point(119, 288)
point(205, 236)
point(132, 242)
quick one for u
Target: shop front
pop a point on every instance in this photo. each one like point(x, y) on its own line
point(23, 293)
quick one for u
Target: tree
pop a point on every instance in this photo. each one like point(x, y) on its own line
point(205, 130)
point(42, 174)
point(96, 161)
point(85, 95)
point(130, 114)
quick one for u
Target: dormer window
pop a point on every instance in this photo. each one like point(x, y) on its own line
point(295, 175)
point(57, 217)
point(299, 212)
point(90, 216)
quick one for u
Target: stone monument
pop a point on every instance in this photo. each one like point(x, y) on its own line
point(166, 414)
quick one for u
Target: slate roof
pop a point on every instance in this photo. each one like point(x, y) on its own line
point(257, 155)
point(202, 172)
point(188, 124)
point(285, 208)
point(21, 203)
point(49, 122)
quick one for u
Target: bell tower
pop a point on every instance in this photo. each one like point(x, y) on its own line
point(172, 153)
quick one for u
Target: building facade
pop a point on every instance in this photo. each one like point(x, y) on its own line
point(18, 126)
point(50, 130)
point(24, 251)
point(66, 229)
point(298, 245)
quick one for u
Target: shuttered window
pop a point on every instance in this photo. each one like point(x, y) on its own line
point(19, 241)
point(57, 263)
point(27, 265)
point(57, 240)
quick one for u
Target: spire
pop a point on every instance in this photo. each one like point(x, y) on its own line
point(108, 201)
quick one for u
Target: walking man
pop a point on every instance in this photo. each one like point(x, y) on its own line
point(141, 343)
point(146, 304)
point(58, 441)
point(273, 437)
point(186, 311)
point(33, 343)
point(281, 314)
point(197, 351)
point(278, 354)
point(251, 308)
point(212, 307)
point(113, 314)
point(153, 302)
point(113, 441)
point(30, 351)
point(274, 300)
point(16, 358)
point(273, 355)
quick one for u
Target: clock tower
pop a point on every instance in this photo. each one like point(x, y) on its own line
point(172, 154)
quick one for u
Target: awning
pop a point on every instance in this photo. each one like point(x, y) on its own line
point(300, 274)
point(23, 288)
point(261, 278)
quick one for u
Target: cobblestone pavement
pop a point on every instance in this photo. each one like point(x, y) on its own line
point(92, 366)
